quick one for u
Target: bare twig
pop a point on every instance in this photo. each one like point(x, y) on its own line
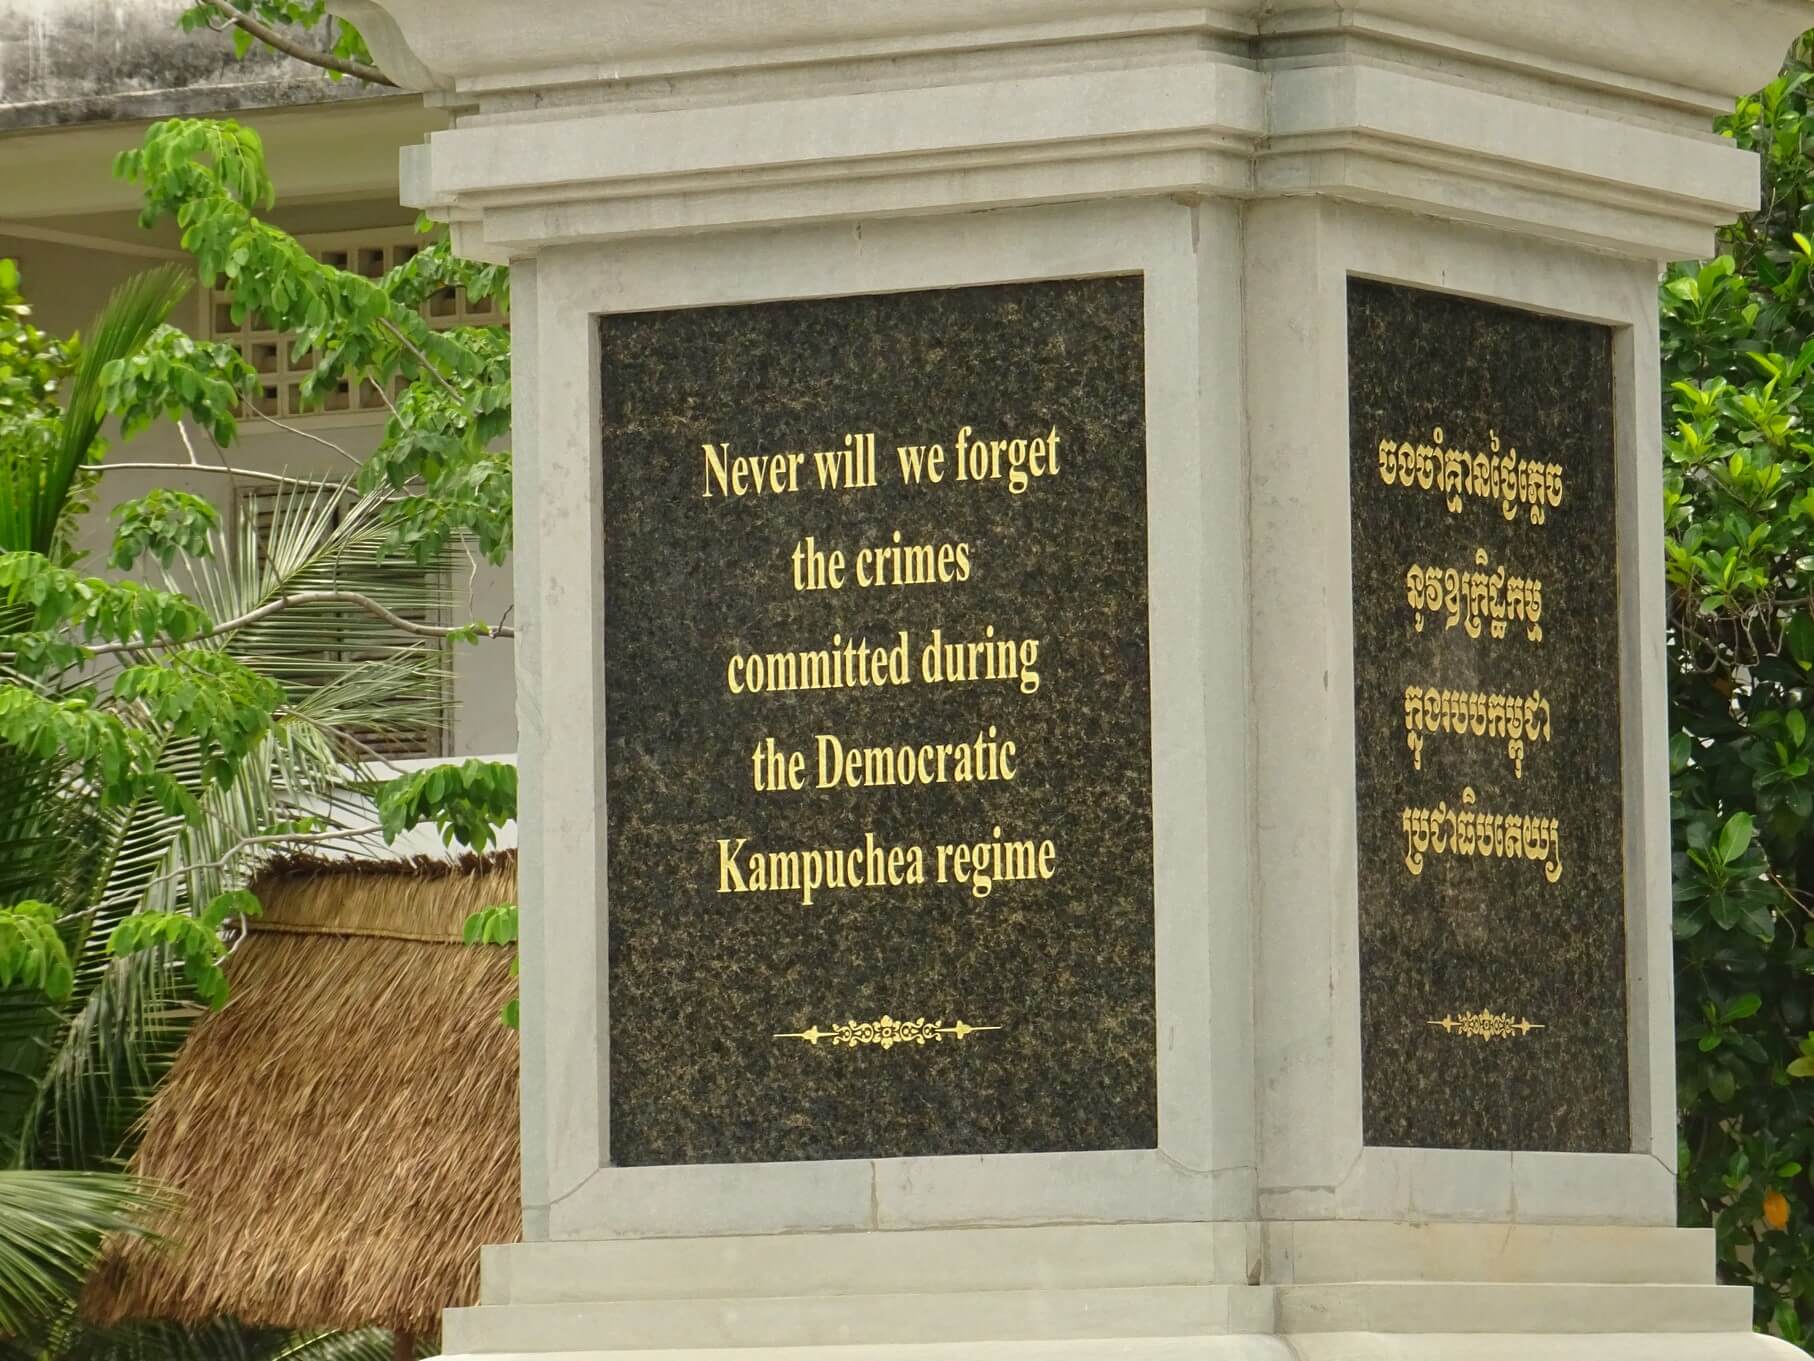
point(223, 470)
point(472, 576)
point(182, 428)
point(426, 362)
point(327, 61)
point(1795, 897)
point(295, 430)
point(373, 755)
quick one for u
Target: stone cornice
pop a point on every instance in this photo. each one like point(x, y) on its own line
point(1566, 119)
point(1722, 47)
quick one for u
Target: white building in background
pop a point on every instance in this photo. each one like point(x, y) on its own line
point(79, 82)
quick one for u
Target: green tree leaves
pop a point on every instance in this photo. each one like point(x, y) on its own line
point(1738, 350)
point(157, 747)
point(189, 158)
point(33, 365)
point(52, 598)
point(175, 375)
point(138, 796)
point(1721, 879)
point(438, 454)
point(193, 938)
point(496, 925)
point(109, 755)
point(32, 953)
point(467, 802)
point(162, 523)
point(218, 702)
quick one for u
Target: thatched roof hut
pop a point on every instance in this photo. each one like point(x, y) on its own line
point(344, 1132)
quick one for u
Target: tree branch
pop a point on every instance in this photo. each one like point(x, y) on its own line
point(364, 602)
point(426, 363)
point(327, 61)
point(284, 602)
point(248, 473)
point(296, 430)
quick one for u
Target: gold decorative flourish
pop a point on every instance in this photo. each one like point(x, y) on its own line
point(1486, 1025)
point(886, 1032)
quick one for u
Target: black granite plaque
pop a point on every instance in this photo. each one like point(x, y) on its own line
point(878, 743)
point(1486, 669)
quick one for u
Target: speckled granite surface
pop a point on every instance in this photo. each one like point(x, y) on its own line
point(1473, 933)
point(701, 981)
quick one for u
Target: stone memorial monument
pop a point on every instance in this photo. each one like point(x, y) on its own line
point(1092, 671)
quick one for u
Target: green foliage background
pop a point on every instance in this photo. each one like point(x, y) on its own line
point(1738, 384)
point(162, 735)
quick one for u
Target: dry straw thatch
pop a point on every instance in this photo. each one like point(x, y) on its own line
point(344, 1133)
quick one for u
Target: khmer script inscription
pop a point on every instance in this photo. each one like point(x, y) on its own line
point(1487, 725)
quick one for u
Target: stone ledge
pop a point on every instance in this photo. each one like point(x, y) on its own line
point(1252, 1347)
point(784, 1321)
point(751, 1265)
point(1326, 1251)
point(1090, 1256)
point(1171, 116)
point(1394, 1314)
point(480, 45)
point(1199, 1280)
point(1454, 1307)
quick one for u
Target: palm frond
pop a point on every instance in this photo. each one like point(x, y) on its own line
point(357, 680)
point(51, 1227)
point(109, 1056)
point(34, 849)
point(114, 1037)
point(34, 837)
point(28, 1025)
point(128, 848)
point(362, 1344)
point(38, 827)
point(221, 1339)
point(40, 474)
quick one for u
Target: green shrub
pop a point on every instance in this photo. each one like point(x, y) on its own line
point(1738, 347)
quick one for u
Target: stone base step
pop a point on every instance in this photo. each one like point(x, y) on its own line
point(1099, 1313)
point(1742, 1346)
point(1056, 1257)
point(1449, 1307)
point(1333, 1251)
point(833, 1320)
point(904, 1262)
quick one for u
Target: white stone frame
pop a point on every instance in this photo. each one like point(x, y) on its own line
point(1313, 1164)
point(1203, 1168)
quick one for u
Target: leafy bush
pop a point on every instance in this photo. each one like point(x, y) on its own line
point(1738, 350)
point(158, 741)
